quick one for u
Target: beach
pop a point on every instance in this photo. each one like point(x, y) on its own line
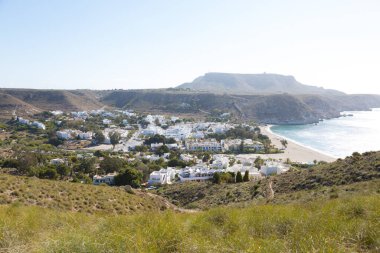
point(294, 151)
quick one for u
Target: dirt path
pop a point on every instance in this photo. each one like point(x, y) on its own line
point(271, 192)
point(169, 205)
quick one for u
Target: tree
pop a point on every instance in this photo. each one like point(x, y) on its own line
point(130, 177)
point(53, 139)
point(99, 137)
point(48, 173)
point(216, 178)
point(111, 164)
point(162, 150)
point(258, 162)
point(241, 148)
point(87, 166)
point(239, 177)
point(206, 157)
point(63, 170)
point(26, 161)
point(246, 176)
point(284, 143)
point(115, 138)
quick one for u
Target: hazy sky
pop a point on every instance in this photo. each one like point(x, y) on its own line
point(71, 44)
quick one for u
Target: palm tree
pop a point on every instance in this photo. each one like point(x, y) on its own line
point(284, 143)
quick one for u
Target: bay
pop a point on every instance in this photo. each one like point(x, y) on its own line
point(337, 137)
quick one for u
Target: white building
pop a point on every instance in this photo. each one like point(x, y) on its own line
point(206, 145)
point(106, 122)
point(199, 172)
point(250, 144)
point(180, 132)
point(39, 125)
point(198, 135)
point(163, 176)
point(85, 136)
point(235, 144)
point(82, 115)
point(106, 179)
point(272, 167)
point(155, 146)
point(253, 172)
point(220, 162)
point(57, 161)
point(152, 130)
point(23, 121)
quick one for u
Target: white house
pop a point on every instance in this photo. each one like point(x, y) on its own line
point(250, 144)
point(180, 132)
point(23, 121)
point(219, 162)
point(151, 130)
point(106, 179)
point(204, 145)
point(85, 135)
point(82, 115)
point(272, 167)
point(155, 146)
point(106, 122)
point(39, 125)
point(56, 113)
point(253, 172)
point(57, 161)
point(163, 176)
point(198, 172)
point(198, 135)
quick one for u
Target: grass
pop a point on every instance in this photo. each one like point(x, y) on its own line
point(338, 225)
point(61, 195)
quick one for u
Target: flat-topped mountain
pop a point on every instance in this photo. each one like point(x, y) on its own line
point(254, 83)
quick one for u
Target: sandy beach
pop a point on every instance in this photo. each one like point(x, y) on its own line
point(293, 151)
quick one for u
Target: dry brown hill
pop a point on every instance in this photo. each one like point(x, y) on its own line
point(10, 105)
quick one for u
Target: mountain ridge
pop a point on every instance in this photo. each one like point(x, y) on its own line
point(254, 84)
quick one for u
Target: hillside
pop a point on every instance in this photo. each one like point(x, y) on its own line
point(339, 225)
point(272, 109)
point(75, 197)
point(355, 175)
point(65, 100)
point(9, 105)
point(253, 84)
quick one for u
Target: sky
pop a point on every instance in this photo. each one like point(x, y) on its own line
point(116, 44)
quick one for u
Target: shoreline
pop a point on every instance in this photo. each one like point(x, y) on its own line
point(295, 151)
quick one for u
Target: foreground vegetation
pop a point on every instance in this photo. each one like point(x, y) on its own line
point(339, 225)
point(76, 197)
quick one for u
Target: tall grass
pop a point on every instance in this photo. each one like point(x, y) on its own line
point(337, 225)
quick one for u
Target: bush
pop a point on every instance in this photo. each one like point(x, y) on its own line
point(130, 177)
point(239, 177)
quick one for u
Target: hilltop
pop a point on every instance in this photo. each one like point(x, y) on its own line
point(254, 84)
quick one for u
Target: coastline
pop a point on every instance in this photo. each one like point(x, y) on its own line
point(294, 151)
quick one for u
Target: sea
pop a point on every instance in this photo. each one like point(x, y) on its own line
point(357, 131)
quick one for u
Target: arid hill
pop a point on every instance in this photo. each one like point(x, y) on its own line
point(254, 84)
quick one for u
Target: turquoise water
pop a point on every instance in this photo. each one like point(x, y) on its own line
point(338, 137)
